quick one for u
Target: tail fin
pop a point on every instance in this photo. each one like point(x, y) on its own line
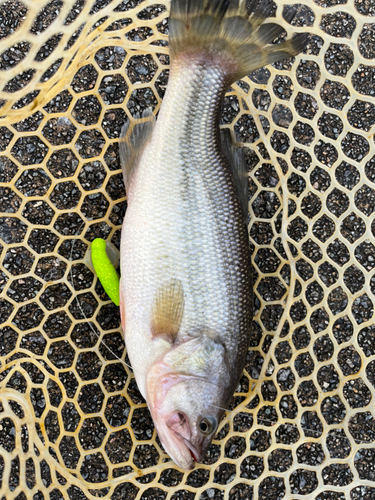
point(232, 31)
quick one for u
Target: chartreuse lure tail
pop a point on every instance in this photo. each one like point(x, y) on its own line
point(105, 271)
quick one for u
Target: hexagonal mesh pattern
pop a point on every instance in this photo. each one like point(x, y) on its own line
point(72, 422)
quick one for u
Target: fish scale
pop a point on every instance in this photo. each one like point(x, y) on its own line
point(185, 256)
point(207, 210)
point(201, 137)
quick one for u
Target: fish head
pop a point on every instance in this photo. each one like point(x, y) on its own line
point(186, 417)
point(186, 400)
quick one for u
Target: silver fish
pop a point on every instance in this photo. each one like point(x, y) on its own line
point(186, 290)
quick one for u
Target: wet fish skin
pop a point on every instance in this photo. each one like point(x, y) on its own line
point(186, 291)
point(184, 221)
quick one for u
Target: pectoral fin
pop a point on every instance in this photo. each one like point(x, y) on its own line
point(168, 310)
point(133, 139)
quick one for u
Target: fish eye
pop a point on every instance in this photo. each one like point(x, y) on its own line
point(207, 425)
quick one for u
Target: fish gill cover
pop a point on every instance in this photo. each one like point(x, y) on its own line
point(72, 423)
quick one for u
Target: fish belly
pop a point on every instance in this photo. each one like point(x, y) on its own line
point(184, 222)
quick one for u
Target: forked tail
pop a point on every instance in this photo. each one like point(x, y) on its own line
point(231, 33)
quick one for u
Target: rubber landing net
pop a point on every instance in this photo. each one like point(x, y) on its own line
point(72, 422)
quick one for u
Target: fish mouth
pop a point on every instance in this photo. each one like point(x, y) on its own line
point(195, 454)
point(173, 428)
point(176, 441)
point(180, 427)
point(178, 449)
point(189, 451)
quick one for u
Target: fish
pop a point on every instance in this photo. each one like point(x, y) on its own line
point(186, 283)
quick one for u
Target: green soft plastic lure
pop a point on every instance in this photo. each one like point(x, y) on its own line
point(105, 270)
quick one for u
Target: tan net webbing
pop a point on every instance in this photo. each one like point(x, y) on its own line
point(72, 423)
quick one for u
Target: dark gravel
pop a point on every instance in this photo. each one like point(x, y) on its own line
point(74, 179)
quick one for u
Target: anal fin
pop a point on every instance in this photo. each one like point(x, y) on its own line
point(236, 159)
point(133, 139)
point(168, 310)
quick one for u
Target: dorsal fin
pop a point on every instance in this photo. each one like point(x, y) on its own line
point(133, 139)
point(168, 310)
point(236, 158)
